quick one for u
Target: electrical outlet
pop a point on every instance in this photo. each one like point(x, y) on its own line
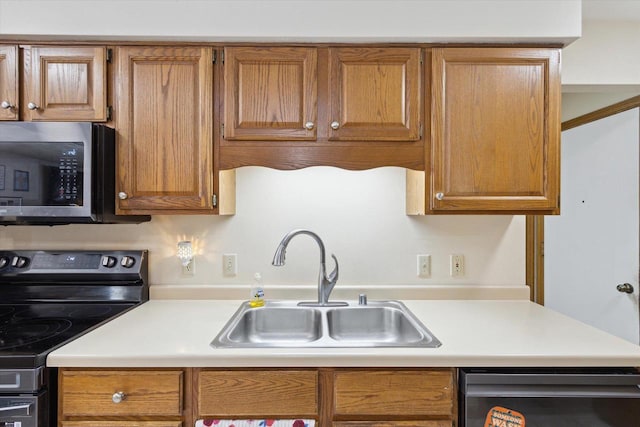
point(229, 264)
point(457, 265)
point(424, 265)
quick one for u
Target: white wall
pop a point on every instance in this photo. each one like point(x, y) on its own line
point(359, 215)
point(345, 20)
point(608, 53)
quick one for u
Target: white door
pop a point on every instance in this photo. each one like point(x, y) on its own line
point(593, 246)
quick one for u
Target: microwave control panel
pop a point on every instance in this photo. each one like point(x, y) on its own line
point(69, 184)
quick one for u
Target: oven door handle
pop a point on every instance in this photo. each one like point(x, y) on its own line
point(17, 407)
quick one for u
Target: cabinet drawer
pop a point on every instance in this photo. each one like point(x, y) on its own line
point(239, 394)
point(393, 393)
point(121, 424)
point(145, 393)
point(393, 424)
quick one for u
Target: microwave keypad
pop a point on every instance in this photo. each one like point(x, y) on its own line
point(68, 169)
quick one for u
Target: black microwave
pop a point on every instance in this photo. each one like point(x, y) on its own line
point(55, 173)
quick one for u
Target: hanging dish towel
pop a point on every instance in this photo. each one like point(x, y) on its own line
point(255, 423)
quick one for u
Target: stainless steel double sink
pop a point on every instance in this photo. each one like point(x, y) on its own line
point(286, 324)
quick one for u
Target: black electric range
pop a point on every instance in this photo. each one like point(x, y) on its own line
point(48, 298)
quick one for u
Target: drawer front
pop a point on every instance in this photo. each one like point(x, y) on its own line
point(90, 393)
point(393, 393)
point(121, 424)
point(271, 394)
point(438, 423)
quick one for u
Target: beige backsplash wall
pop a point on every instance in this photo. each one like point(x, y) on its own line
point(359, 215)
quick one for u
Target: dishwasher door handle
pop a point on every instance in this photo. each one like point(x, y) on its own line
point(533, 391)
point(17, 407)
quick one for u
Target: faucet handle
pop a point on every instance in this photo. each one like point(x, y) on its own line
point(333, 276)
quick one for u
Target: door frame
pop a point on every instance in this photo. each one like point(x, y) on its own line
point(534, 241)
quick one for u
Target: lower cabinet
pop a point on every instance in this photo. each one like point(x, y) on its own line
point(121, 424)
point(249, 394)
point(328, 397)
point(122, 398)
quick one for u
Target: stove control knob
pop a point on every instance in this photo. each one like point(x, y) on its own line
point(118, 397)
point(109, 261)
point(4, 261)
point(127, 261)
point(19, 262)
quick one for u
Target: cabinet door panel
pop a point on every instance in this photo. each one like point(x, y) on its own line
point(393, 393)
point(496, 129)
point(164, 115)
point(270, 93)
point(438, 423)
point(255, 394)
point(120, 423)
point(9, 82)
point(68, 83)
point(89, 393)
point(374, 94)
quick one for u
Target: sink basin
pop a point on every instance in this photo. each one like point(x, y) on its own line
point(388, 325)
point(286, 324)
point(279, 325)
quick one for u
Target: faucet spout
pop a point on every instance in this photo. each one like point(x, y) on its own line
point(326, 282)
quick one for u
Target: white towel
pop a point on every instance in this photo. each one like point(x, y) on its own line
point(255, 423)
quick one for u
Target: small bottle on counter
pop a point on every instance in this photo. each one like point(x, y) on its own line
point(257, 292)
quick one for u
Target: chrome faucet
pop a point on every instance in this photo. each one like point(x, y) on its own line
point(325, 283)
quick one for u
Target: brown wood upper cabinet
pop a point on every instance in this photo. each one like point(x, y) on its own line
point(495, 123)
point(323, 94)
point(9, 93)
point(164, 118)
point(271, 93)
point(374, 94)
point(65, 83)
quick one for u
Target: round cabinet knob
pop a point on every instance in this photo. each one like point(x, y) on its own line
point(118, 397)
point(6, 105)
point(335, 125)
point(127, 261)
point(439, 196)
point(309, 126)
point(32, 106)
point(626, 288)
point(122, 195)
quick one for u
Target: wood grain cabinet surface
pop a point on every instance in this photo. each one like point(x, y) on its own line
point(65, 83)
point(351, 107)
point(90, 393)
point(495, 123)
point(270, 93)
point(9, 80)
point(256, 394)
point(393, 397)
point(121, 423)
point(374, 94)
point(435, 423)
point(164, 118)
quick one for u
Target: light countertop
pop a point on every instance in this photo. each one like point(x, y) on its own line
point(177, 333)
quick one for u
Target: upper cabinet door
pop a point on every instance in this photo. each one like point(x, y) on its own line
point(270, 93)
point(66, 83)
point(495, 129)
point(164, 118)
point(374, 94)
point(9, 83)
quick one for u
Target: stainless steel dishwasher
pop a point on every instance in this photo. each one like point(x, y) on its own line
point(540, 397)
